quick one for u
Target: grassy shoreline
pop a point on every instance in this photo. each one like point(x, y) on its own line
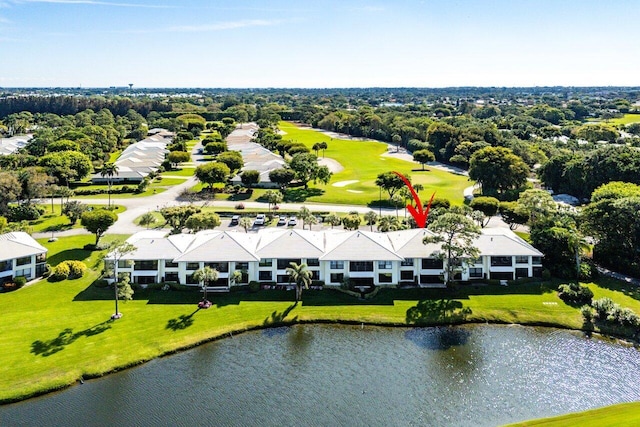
point(53, 334)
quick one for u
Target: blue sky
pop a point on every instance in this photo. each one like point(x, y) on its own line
point(323, 43)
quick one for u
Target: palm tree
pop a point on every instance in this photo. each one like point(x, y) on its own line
point(578, 245)
point(205, 276)
point(299, 274)
point(388, 223)
point(371, 218)
point(109, 170)
point(118, 252)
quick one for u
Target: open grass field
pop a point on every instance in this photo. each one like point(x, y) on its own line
point(625, 120)
point(54, 333)
point(362, 162)
point(623, 415)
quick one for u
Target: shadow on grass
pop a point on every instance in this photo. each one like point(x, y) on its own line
point(297, 195)
point(277, 318)
point(57, 227)
point(429, 311)
point(69, 254)
point(181, 322)
point(66, 337)
point(628, 289)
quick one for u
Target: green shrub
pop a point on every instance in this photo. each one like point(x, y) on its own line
point(254, 286)
point(602, 306)
point(20, 281)
point(60, 272)
point(76, 269)
point(23, 212)
point(587, 313)
point(575, 294)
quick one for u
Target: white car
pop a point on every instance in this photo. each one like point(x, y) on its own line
point(282, 220)
point(293, 221)
point(260, 218)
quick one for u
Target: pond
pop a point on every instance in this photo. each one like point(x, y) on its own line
point(319, 375)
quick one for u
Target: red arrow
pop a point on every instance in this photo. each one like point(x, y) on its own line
point(419, 215)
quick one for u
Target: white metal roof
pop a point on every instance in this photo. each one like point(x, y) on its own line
point(18, 244)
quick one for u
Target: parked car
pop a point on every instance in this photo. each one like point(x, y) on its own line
point(282, 220)
point(260, 218)
point(293, 221)
point(235, 220)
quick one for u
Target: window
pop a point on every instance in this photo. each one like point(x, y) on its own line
point(6, 265)
point(336, 265)
point(384, 265)
point(23, 260)
point(171, 277)
point(501, 261)
point(266, 262)
point(41, 257)
point(145, 280)
point(242, 266)
point(191, 280)
point(25, 272)
point(522, 272)
point(475, 273)
point(313, 262)
point(361, 266)
point(170, 264)
point(221, 267)
point(337, 277)
point(432, 264)
point(264, 276)
point(124, 263)
point(282, 278)
point(193, 265)
point(283, 264)
point(315, 275)
point(521, 259)
point(385, 278)
point(145, 265)
point(501, 276)
point(536, 260)
point(406, 275)
point(407, 262)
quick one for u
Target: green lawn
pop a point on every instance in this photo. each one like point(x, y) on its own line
point(54, 333)
point(362, 162)
point(625, 120)
point(623, 415)
point(186, 172)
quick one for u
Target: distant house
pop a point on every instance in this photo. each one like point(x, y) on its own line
point(139, 159)
point(255, 156)
point(365, 258)
point(21, 256)
point(13, 144)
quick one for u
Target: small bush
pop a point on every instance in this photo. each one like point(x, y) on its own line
point(602, 307)
point(76, 269)
point(60, 272)
point(254, 286)
point(587, 313)
point(239, 206)
point(575, 294)
point(70, 269)
point(24, 212)
point(20, 281)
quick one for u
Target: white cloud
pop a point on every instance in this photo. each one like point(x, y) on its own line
point(96, 3)
point(221, 26)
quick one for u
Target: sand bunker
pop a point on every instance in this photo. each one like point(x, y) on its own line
point(344, 183)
